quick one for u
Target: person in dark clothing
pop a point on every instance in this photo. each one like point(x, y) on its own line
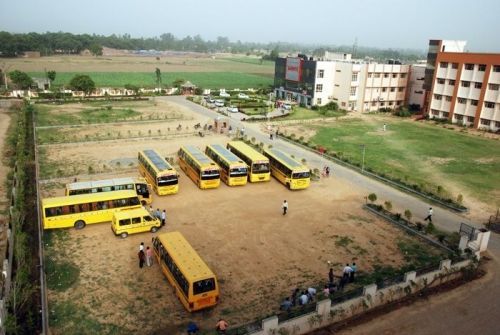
point(295, 294)
point(330, 276)
point(142, 258)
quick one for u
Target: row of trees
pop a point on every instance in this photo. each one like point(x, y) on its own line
point(51, 43)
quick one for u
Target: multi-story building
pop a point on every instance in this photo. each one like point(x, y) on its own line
point(463, 87)
point(353, 84)
point(416, 90)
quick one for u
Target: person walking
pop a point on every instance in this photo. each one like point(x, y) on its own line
point(163, 218)
point(346, 272)
point(141, 246)
point(285, 207)
point(149, 257)
point(385, 126)
point(158, 214)
point(192, 328)
point(142, 258)
point(330, 276)
point(351, 274)
point(221, 326)
point(429, 217)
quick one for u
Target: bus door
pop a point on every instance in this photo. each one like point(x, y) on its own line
point(142, 190)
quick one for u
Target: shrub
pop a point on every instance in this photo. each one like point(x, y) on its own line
point(430, 228)
point(460, 199)
point(408, 214)
point(388, 205)
point(372, 197)
point(420, 226)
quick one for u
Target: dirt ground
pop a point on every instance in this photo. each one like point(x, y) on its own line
point(258, 254)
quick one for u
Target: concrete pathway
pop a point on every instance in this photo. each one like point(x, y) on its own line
point(471, 309)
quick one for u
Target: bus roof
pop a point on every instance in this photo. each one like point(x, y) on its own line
point(186, 258)
point(103, 183)
point(198, 155)
point(129, 213)
point(85, 198)
point(160, 163)
point(247, 150)
point(226, 154)
point(285, 159)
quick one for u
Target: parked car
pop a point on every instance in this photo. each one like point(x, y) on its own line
point(243, 96)
point(224, 95)
point(287, 107)
point(232, 109)
point(219, 103)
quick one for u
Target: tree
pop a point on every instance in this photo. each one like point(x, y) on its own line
point(372, 197)
point(158, 77)
point(51, 75)
point(388, 205)
point(20, 79)
point(95, 49)
point(178, 82)
point(132, 88)
point(408, 214)
point(82, 82)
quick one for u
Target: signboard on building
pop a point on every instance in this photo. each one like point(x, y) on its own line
point(293, 69)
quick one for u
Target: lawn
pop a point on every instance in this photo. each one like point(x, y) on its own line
point(228, 80)
point(301, 113)
point(417, 153)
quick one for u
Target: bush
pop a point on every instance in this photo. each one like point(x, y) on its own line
point(430, 228)
point(388, 206)
point(372, 197)
point(420, 226)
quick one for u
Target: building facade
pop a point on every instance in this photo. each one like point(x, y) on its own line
point(353, 84)
point(464, 87)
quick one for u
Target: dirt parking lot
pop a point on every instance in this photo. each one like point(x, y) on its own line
point(258, 254)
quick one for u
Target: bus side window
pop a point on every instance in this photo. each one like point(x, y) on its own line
point(49, 212)
point(136, 220)
point(147, 218)
point(72, 209)
point(124, 222)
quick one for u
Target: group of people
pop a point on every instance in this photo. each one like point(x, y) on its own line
point(145, 256)
point(326, 171)
point(221, 327)
point(348, 274)
point(162, 216)
point(298, 298)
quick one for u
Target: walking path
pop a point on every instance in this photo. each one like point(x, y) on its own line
point(470, 309)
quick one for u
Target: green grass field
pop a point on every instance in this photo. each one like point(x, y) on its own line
point(417, 153)
point(300, 113)
point(228, 80)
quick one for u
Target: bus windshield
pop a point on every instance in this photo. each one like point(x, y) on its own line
point(260, 167)
point(210, 174)
point(142, 189)
point(167, 180)
point(203, 286)
point(241, 171)
point(300, 175)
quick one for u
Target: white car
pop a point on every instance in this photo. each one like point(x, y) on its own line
point(232, 109)
point(224, 95)
point(287, 107)
point(243, 96)
point(219, 103)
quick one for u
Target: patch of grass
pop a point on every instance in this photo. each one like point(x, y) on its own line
point(418, 154)
point(343, 241)
point(301, 113)
point(46, 117)
point(418, 255)
point(61, 274)
point(228, 80)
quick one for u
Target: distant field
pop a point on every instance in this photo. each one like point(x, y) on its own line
point(229, 80)
point(419, 153)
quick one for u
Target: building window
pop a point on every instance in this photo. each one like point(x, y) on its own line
point(438, 97)
point(353, 91)
point(374, 103)
point(454, 66)
point(481, 67)
point(458, 117)
point(496, 68)
point(393, 89)
point(321, 73)
point(337, 85)
point(493, 87)
point(474, 102)
point(478, 85)
point(497, 124)
point(386, 75)
point(403, 75)
point(401, 89)
point(376, 75)
point(470, 118)
point(489, 104)
point(337, 70)
point(369, 75)
point(318, 101)
point(391, 103)
point(394, 75)
point(448, 98)
point(382, 104)
point(465, 83)
point(354, 76)
point(461, 100)
point(384, 89)
point(319, 87)
point(446, 114)
point(485, 122)
point(398, 103)
point(469, 67)
point(440, 81)
point(435, 112)
point(443, 65)
point(451, 82)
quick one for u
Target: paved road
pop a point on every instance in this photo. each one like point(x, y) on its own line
point(471, 309)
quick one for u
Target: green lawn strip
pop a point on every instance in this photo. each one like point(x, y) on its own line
point(407, 150)
point(228, 80)
point(301, 113)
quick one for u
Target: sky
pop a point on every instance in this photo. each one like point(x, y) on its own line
point(399, 24)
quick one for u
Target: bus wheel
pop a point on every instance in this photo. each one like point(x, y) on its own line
point(154, 229)
point(124, 235)
point(80, 224)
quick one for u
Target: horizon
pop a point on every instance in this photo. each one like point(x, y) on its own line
point(321, 27)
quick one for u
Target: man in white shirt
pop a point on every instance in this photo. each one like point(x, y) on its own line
point(429, 217)
point(285, 207)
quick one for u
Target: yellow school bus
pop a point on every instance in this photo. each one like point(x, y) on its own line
point(287, 170)
point(200, 168)
point(194, 283)
point(258, 163)
point(116, 184)
point(233, 170)
point(158, 172)
point(80, 210)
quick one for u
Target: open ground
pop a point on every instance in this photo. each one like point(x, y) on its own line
point(258, 254)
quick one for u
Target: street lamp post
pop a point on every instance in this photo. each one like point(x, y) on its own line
point(363, 159)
